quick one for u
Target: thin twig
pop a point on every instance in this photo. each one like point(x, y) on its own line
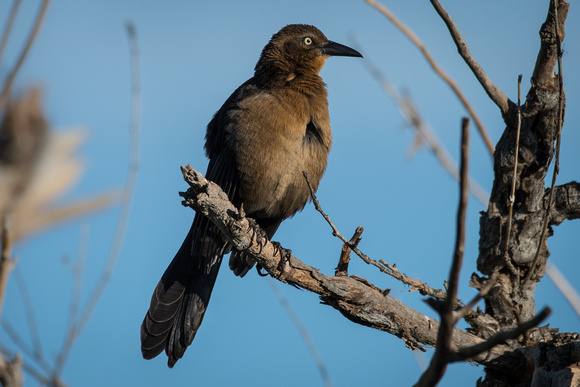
point(415, 40)
point(438, 365)
point(512, 198)
point(384, 267)
point(465, 310)
point(129, 184)
point(302, 331)
point(10, 79)
point(564, 286)
point(532, 269)
point(8, 26)
point(494, 93)
point(498, 338)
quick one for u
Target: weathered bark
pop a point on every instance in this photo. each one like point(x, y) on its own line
point(536, 358)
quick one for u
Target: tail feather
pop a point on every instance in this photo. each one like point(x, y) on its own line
point(180, 299)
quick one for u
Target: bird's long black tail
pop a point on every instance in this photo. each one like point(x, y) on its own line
point(181, 297)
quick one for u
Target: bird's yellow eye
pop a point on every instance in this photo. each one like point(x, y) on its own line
point(307, 41)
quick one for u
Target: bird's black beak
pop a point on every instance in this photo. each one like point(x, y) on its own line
point(337, 49)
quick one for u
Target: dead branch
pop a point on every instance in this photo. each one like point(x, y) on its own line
point(494, 93)
point(566, 204)
point(342, 267)
point(438, 365)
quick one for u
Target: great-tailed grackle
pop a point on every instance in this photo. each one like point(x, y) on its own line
point(271, 128)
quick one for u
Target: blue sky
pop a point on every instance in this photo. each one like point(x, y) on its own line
point(193, 55)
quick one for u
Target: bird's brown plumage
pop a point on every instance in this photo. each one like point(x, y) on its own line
point(271, 128)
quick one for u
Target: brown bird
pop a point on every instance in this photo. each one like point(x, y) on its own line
point(271, 128)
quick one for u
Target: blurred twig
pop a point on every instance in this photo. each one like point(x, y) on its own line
point(301, 330)
point(8, 26)
point(417, 42)
point(10, 79)
point(71, 331)
point(424, 133)
point(564, 286)
point(30, 317)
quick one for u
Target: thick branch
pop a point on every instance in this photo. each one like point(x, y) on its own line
point(358, 300)
point(566, 205)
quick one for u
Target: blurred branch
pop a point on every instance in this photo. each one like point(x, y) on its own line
point(52, 216)
point(11, 372)
point(424, 133)
point(415, 40)
point(494, 93)
point(10, 79)
point(8, 26)
point(129, 187)
point(564, 286)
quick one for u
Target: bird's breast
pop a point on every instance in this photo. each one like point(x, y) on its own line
point(276, 136)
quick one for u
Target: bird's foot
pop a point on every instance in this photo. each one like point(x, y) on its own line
point(258, 234)
point(259, 269)
point(285, 255)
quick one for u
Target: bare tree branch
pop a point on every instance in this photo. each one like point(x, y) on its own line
point(566, 203)
point(344, 259)
point(494, 93)
point(438, 365)
point(501, 337)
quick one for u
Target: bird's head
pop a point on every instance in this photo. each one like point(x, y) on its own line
point(298, 49)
